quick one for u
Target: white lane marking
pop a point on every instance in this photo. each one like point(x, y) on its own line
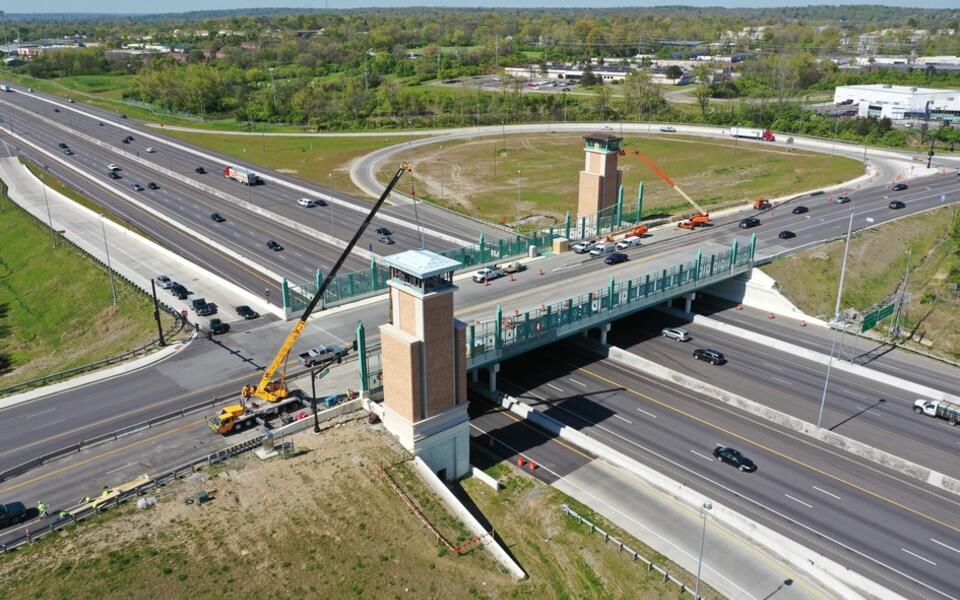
point(622, 419)
point(782, 380)
point(918, 556)
point(945, 546)
point(798, 501)
point(580, 383)
point(703, 456)
point(47, 424)
point(649, 414)
point(771, 365)
point(119, 468)
point(827, 493)
point(42, 412)
point(559, 389)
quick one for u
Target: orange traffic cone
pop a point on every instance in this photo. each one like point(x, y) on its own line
point(533, 465)
point(519, 460)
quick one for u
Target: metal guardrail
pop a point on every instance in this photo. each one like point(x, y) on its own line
point(621, 547)
point(153, 483)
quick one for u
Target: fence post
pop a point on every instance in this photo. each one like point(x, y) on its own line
point(640, 202)
point(753, 246)
point(646, 286)
point(713, 258)
point(583, 228)
point(285, 292)
point(482, 245)
point(473, 339)
point(696, 275)
point(350, 285)
point(319, 281)
point(619, 205)
point(566, 225)
point(733, 253)
point(498, 328)
point(362, 355)
point(373, 274)
point(610, 292)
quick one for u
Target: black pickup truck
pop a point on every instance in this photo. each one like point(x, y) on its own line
point(12, 513)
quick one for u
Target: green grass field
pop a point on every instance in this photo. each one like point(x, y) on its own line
point(480, 177)
point(56, 309)
point(322, 160)
point(876, 267)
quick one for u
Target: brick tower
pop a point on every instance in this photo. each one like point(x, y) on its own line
point(600, 178)
point(423, 351)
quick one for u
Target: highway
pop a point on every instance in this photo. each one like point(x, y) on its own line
point(904, 534)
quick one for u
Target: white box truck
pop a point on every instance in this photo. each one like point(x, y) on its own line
point(244, 176)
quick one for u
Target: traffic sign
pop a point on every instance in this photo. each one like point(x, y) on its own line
point(183, 314)
point(871, 319)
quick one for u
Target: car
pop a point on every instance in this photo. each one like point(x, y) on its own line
point(30, 90)
point(897, 204)
point(675, 333)
point(246, 312)
point(749, 222)
point(383, 231)
point(584, 246)
point(841, 199)
point(113, 167)
point(817, 193)
point(71, 101)
point(153, 186)
point(200, 170)
point(799, 210)
point(216, 326)
point(310, 202)
point(274, 246)
point(68, 151)
point(113, 175)
point(206, 310)
point(386, 239)
point(733, 457)
point(61, 145)
point(488, 274)
point(197, 301)
point(668, 129)
point(12, 513)
point(149, 150)
point(786, 235)
point(56, 110)
point(631, 241)
point(566, 89)
point(711, 356)
point(616, 258)
point(164, 281)
point(123, 115)
point(217, 217)
point(137, 187)
point(129, 138)
point(899, 187)
point(178, 290)
point(125, 141)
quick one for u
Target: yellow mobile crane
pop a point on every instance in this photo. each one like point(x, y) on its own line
point(274, 390)
point(699, 219)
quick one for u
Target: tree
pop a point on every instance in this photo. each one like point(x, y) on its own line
point(674, 72)
point(588, 78)
point(704, 75)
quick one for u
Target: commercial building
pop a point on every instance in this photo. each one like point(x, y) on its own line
point(900, 102)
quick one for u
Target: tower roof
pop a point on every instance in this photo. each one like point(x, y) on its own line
point(602, 138)
point(422, 263)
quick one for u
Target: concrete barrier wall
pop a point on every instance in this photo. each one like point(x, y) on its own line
point(461, 512)
point(857, 448)
point(828, 573)
point(757, 289)
point(482, 476)
point(322, 415)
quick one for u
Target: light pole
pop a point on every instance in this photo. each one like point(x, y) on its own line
point(704, 509)
point(836, 127)
point(903, 295)
point(518, 202)
point(836, 317)
point(43, 185)
point(330, 206)
point(106, 249)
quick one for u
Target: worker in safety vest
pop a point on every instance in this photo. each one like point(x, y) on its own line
point(42, 508)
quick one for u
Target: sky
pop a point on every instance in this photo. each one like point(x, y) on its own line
point(158, 6)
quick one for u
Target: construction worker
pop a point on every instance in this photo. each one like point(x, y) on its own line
point(42, 509)
point(85, 500)
point(63, 515)
point(105, 492)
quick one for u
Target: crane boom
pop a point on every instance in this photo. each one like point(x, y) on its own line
point(666, 178)
point(274, 390)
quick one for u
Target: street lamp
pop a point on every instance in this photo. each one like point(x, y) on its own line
point(518, 202)
point(704, 509)
point(106, 249)
point(836, 317)
point(43, 185)
point(330, 206)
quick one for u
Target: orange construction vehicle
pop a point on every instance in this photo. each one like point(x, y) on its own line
point(699, 219)
point(761, 204)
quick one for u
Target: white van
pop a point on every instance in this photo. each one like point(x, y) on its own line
point(631, 241)
point(309, 202)
point(603, 249)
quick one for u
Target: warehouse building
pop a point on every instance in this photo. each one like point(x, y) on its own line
point(900, 102)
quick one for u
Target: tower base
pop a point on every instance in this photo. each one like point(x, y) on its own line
point(442, 441)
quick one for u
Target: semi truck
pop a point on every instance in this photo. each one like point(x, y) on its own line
point(244, 176)
point(252, 412)
point(761, 135)
point(940, 409)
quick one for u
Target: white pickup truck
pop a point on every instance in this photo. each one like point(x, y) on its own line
point(942, 409)
point(489, 274)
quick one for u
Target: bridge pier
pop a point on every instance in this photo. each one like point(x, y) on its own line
point(492, 371)
point(604, 330)
point(688, 302)
point(475, 375)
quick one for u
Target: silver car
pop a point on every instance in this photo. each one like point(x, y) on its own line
point(675, 333)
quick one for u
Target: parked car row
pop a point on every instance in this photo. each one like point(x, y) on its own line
point(200, 306)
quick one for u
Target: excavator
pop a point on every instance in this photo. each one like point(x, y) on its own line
point(700, 218)
point(274, 390)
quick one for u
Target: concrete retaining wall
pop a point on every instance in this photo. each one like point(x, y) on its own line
point(828, 573)
point(758, 290)
point(461, 512)
point(857, 448)
point(322, 415)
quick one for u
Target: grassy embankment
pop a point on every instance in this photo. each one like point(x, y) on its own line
point(876, 267)
point(56, 309)
point(480, 177)
point(324, 524)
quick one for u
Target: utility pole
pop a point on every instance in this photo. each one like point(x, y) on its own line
point(933, 140)
point(836, 317)
point(106, 249)
point(156, 312)
point(903, 295)
point(496, 46)
point(704, 509)
point(518, 202)
point(43, 185)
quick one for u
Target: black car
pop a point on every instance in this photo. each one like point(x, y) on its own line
point(217, 326)
point(711, 356)
point(137, 187)
point(113, 175)
point(733, 457)
point(153, 186)
point(123, 116)
point(206, 310)
point(196, 303)
point(900, 187)
point(786, 235)
point(217, 217)
point(246, 312)
point(200, 170)
point(386, 239)
point(616, 258)
point(12, 513)
point(383, 231)
point(274, 246)
point(817, 193)
point(897, 204)
point(749, 222)
point(61, 145)
point(56, 110)
point(179, 291)
point(125, 141)
point(799, 210)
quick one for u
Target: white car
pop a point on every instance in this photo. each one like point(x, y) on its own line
point(150, 150)
point(668, 129)
point(488, 274)
point(675, 333)
point(631, 241)
point(309, 202)
point(164, 281)
point(113, 167)
point(583, 247)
